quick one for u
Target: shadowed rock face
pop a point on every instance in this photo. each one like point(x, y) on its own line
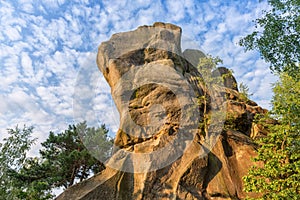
point(228, 79)
point(161, 150)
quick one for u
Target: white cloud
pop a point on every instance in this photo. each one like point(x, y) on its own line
point(52, 4)
point(13, 33)
point(145, 16)
point(26, 6)
point(176, 11)
point(26, 63)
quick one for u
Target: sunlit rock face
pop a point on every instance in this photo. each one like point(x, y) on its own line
point(180, 136)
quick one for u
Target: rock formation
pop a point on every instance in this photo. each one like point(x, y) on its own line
point(180, 136)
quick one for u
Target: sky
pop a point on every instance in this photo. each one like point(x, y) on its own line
point(48, 54)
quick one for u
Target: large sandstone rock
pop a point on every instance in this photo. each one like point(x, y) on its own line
point(162, 149)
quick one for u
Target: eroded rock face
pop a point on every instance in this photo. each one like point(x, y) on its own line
point(162, 149)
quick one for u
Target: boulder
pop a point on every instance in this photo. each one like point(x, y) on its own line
point(178, 138)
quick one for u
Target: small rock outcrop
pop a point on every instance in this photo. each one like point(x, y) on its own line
point(180, 137)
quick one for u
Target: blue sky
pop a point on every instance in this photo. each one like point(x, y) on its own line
point(48, 46)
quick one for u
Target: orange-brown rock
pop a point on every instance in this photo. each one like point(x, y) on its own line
point(162, 149)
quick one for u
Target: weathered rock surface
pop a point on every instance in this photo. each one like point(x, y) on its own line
point(153, 102)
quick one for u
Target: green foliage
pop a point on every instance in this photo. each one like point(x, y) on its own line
point(230, 123)
point(277, 39)
point(13, 151)
point(97, 141)
point(286, 101)
point(244, 92)
point(212, 82)
point(206, 66)
point(280, 149)
point(64, 160)
point(13, 159)
point(277, 36)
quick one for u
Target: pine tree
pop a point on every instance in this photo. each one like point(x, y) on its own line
point(63, 161)
point(66, 157)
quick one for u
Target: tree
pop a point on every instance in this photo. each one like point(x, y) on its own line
point(277, 39)
point(207, 66)
point(63, 160)
point(66, 158)
point(280, 149)
point(13, 157)
point(244, 91)
point(277, 36)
